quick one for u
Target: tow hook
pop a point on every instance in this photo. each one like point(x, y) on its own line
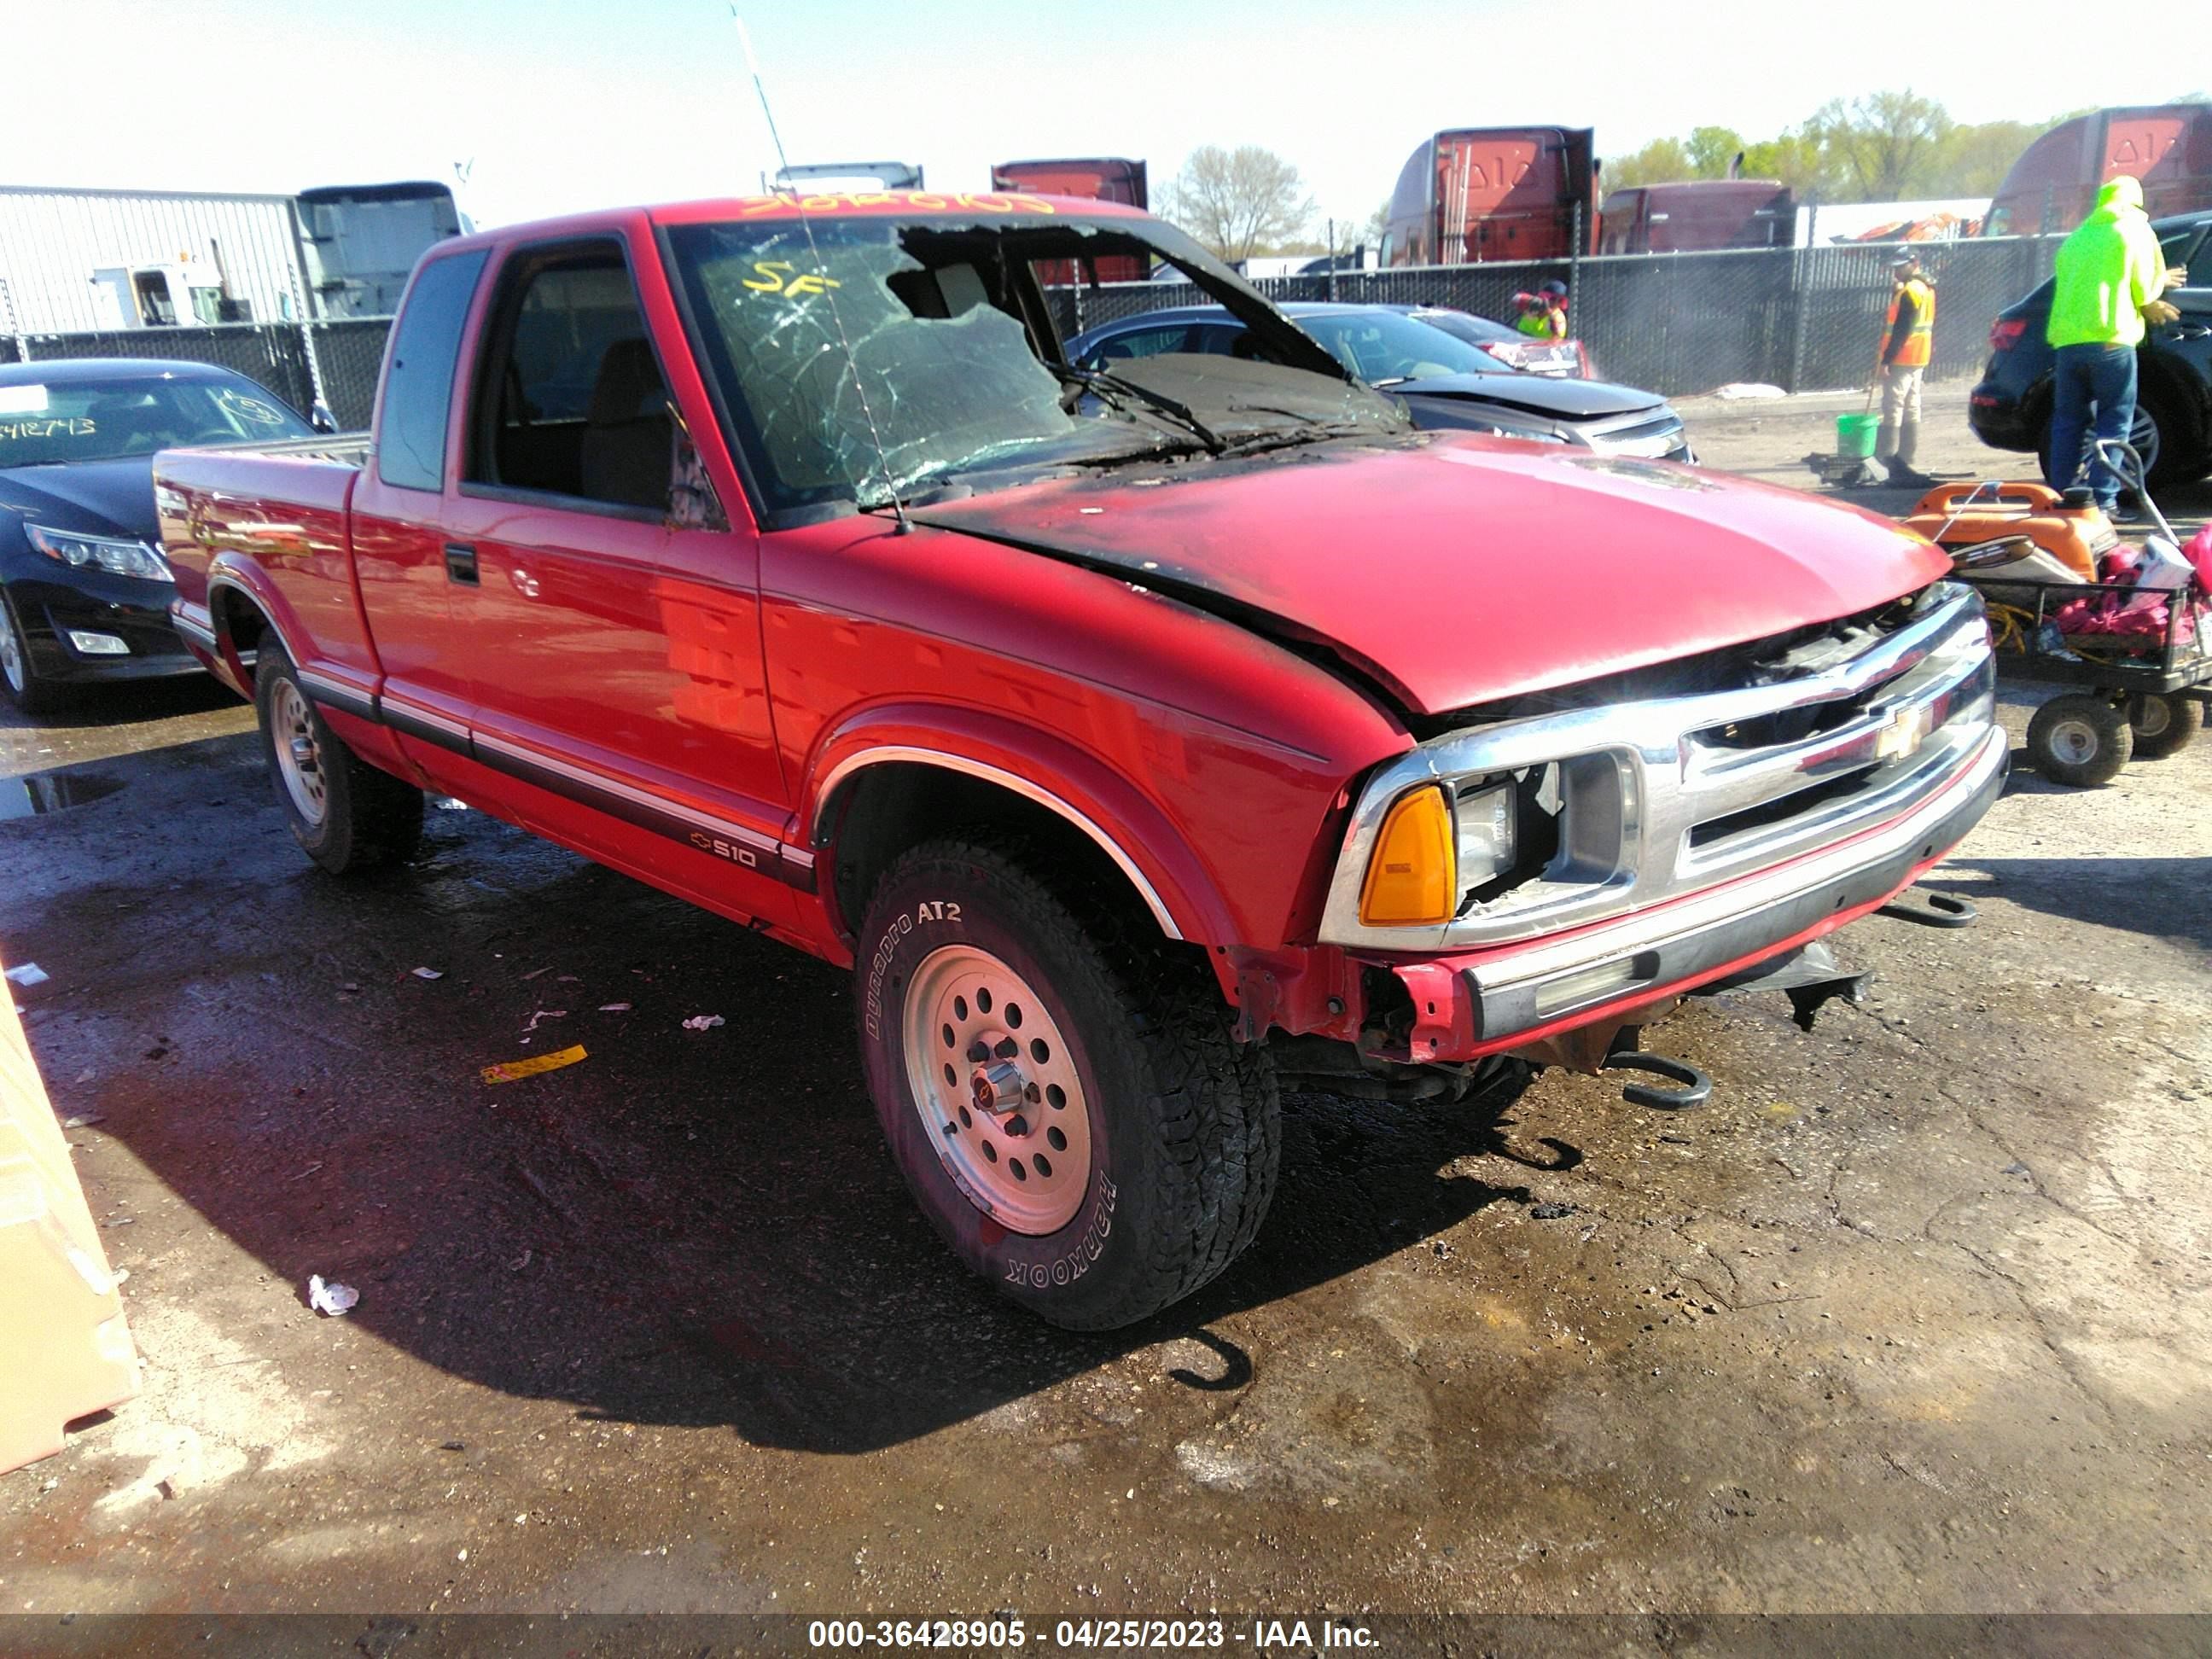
point(1932, 911)
point(1696, 1087)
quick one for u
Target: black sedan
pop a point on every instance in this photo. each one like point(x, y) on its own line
point(1446, 382)
point(84, 594)
point(1566, 358)
point(2010, 409)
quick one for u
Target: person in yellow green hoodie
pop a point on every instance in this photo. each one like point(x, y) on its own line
point(2110, 282)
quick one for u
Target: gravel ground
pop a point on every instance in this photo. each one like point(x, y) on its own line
point(1913, 1317)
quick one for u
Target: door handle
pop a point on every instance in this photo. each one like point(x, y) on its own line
point(460, 563)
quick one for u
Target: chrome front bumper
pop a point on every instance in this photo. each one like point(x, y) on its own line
point(1650, 952)
point(1669, 799)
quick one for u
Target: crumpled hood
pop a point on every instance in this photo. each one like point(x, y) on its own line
point(1539, 394)
point(1456, 569)
point(109, 498)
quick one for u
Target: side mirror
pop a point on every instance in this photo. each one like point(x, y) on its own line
point(692, 502)
point(320, 417)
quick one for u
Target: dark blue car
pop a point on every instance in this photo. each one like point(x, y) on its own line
point(84, 594)
point(2011, 407)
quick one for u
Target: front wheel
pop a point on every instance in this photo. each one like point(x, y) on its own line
point(2079, 738)
point(20, 679)
point(1066, 1102)
point(345, 814)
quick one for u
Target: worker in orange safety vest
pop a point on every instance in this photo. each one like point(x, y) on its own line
point(1908, 334)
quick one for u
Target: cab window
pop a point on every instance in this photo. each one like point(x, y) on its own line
point(569, 397)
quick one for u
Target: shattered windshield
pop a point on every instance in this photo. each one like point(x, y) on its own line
point(883, 358)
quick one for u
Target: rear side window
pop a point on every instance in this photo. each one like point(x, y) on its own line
point(418, 386)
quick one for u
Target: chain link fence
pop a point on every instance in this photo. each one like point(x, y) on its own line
point(350, 355)
point(1806, 320)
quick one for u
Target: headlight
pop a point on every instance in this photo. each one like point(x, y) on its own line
point(1485, 839)
point(1527, 434)
point(117, 558)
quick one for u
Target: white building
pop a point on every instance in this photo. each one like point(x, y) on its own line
point(79, 259)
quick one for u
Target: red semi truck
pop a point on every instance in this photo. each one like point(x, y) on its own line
point(2054, 184)
point(1698, 214)
point(1494, 193)
point(1097, 179)
point(1140, 743)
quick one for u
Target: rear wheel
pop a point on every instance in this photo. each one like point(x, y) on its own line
point(19, 679)
point(345, 814)
point(2155, 434)
point(2079, 738)
point(2163, 725)
point(1063, 1096)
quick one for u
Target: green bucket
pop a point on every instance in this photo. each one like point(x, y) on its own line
point(1855, 436)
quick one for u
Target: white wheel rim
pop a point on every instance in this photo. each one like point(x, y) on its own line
point(2074, 742)
point(2156, 717)
point(11, 650)
point(996, 1086)
point(299, 753)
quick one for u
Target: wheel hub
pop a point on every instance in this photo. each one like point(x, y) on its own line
point(2074, 742)
point(997, 1087)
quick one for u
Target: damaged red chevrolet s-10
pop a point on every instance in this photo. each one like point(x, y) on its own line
point(1142, 737)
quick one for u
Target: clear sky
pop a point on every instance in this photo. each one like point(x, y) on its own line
point(566, 104)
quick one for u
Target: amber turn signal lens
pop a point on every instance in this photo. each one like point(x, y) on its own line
point(1410, 876)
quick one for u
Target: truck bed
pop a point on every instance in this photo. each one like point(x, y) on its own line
point(271, 519)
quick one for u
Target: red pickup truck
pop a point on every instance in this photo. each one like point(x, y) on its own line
point(1141, 739)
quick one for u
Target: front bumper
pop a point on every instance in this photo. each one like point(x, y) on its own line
point(1509, 996)
point(120, 607)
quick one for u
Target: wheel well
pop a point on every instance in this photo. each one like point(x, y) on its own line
point(896, 805)
point(240, 625)
point(2165, 386)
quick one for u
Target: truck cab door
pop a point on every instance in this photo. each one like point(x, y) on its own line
point(613, 642)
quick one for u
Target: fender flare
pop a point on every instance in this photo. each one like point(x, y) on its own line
point(1109, 810)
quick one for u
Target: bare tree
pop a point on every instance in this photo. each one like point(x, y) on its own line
point(1241, 202)
point(1888, 142)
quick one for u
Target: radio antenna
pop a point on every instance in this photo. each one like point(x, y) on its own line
point(829, 292)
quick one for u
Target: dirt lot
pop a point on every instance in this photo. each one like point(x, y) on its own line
point(1914, 1316)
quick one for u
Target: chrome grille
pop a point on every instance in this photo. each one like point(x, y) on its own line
point(1665, 796)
